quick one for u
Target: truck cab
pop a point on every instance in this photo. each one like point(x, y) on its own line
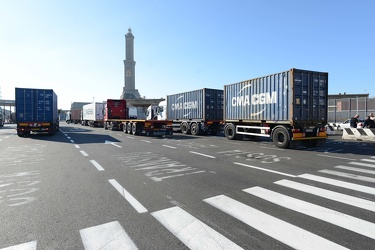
point(155, 112)
point(162, 112)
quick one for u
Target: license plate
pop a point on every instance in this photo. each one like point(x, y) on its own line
point(159, 133)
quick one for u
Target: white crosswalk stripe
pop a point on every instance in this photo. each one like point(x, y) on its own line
point(331, 216)
point(25, 246)
point(362, 164)
point(368, 160)
point(106, 236)
point(338, 183)
point(361, 170)
point(191, 231)
point(343, 198)
point(285, 232)
point(348, 175)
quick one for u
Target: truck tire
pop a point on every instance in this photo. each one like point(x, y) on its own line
point(230, 131)
point(125, 128)
point(195, 130)
point(184, 128)
point(129, 128)
point(135, 129)
point(281, 138)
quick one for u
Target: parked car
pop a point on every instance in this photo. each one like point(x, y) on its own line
point(346, 124)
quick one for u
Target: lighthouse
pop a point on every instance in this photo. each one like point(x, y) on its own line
point(129, 91)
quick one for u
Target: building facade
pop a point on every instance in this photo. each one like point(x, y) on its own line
point(343, 107)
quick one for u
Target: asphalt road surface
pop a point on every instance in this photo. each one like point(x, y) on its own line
point(90, 188)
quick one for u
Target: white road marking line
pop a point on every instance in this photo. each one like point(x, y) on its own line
point(280, 230)
point(192, 232)
point(84, 153)
point(146, 141)
point(356, 169)
point(335, 196)
point(264, 169)
point(279, 149)
point(25, 246)
point(106, 236)
point(68, 138)
point(176, 175)
point(97, 165)
point(348, 175)
point(362, 164)
point(136, 204)
point(368, 160)
point(337, 183)
point(130, 137)
point(328, 215)
point(71, 141)
point(168, 146)
point(76, 146)
point(209, 156)
point(112, 143)
point(336, 157)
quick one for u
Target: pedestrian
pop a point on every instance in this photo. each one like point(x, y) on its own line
point(354, 121)
point(370, 121)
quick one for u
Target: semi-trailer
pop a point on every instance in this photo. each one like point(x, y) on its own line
point(289, 107)
point(118, 117)
point(75, 113)
point(92, 114)
point(36, 111)
point(194, 112)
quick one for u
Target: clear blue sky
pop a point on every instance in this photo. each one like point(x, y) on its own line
point(77, 47)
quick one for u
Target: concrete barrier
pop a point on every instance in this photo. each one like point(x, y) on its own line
point(333, 125)
point(330, 130)
point(360, 134)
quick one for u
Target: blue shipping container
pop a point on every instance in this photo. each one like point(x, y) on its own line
point(36, 105)
point(292, 96)
point(202, 104)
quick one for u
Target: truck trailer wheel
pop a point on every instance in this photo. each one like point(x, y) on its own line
point(195, 130)
point(230, 131)
point(129, 127)
point(281, 138)
point(184, 128)
point(137, 129)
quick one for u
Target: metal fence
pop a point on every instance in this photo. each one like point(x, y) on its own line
point(340, 110)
